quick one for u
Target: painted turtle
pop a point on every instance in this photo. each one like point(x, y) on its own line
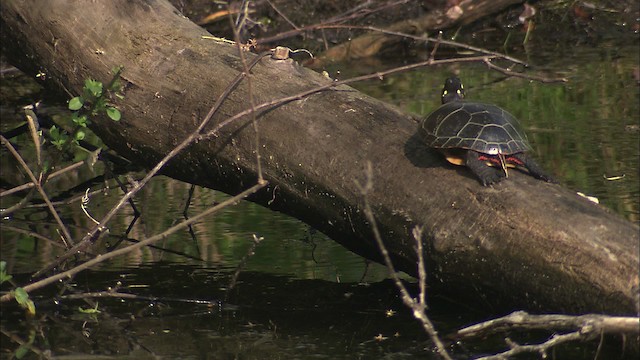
point(484, 137)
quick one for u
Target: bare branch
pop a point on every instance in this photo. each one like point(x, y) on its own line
point(418, 307)
point(100, 258)
point(195, 135)
point(586, 327)
point(29, 185)
point(65, 232)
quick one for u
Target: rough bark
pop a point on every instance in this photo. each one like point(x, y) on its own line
point(533, 244)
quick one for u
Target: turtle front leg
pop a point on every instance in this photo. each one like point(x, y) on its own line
point(533, 168)
point(486, 174)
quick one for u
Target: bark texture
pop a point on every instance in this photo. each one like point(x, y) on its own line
point(532, 244)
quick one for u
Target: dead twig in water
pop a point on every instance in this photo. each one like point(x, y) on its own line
point(587, 327)
point(417, 306)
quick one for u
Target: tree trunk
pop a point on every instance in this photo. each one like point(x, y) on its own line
point(536, 245)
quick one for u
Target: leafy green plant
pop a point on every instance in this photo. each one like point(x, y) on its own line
point(3, 272)
point(93, 102)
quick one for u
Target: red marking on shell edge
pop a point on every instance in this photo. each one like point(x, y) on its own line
point(494, 159)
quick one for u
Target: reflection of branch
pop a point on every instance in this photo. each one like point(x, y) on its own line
point(19, 205)
point(417, 306)
point(66, 235)
point(587, 327)
point(50, 177)
point(114, 293)
point(72, 272)
point(32, 234)
point(243, 262)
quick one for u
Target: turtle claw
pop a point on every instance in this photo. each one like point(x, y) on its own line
point(497, 177)
point(486, 174)
point(491, 177)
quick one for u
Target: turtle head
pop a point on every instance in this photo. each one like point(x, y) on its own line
point(453, 90)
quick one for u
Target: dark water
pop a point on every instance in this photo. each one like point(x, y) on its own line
point(298, 295)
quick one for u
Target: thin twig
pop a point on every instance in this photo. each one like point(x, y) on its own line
point(525, 321)
point(418, 307)
point(541, 348)
point(254, 121)
point(194, 136)
point(100, 258)
point(32, 234)
point(54, 174)
point(66, 235)
point(586, 327)
point(243, 262)
point(282, 15)
point(422, 273)
point(508, 72)
point(432, 56)
point(378, 75)
point(394, 33)
point(19, 205)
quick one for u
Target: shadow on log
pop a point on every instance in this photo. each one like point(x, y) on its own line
point(524, 242)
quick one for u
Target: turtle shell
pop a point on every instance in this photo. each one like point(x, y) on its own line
point(484, 128)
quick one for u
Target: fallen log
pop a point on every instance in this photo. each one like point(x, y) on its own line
point(371, 43)
point(531, 244)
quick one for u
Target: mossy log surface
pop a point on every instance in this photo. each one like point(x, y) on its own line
point(534, 245)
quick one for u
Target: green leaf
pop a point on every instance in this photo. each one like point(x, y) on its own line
point(21, 351)
point(31, 307)
point(80, 134)
point(94, 87)
point(23, 299)
point(90, 310)
point(21, 295)
point(54, 132)
point(3, 272)
point(58, 137)
point(76, 103)
point(58, 144)
point(80, 120)
point(114, 113)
